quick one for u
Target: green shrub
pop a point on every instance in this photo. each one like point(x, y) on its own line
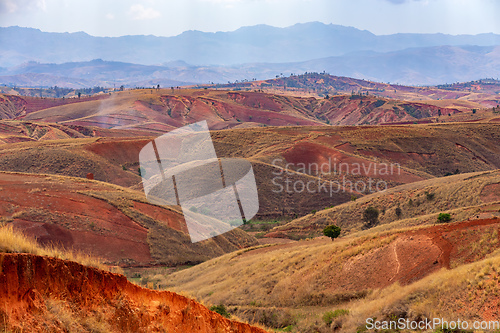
point(220, 309)
point(444, 217)
point(370, 216)
point(430, 196)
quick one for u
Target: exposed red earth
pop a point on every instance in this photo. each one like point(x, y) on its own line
point(411, 256)
point(163, 110)
point(112, 223)
point(52, 295)
point(416, 254)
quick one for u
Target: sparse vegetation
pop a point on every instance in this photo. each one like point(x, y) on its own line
point(429, 196)
point(329, 316)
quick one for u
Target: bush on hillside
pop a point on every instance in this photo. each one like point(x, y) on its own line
point(370, 216)
point(444, 217)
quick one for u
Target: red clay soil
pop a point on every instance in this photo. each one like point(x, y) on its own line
point(415, 254)
point(118, 151)
point(53, 212)
point(36, 103)
point(52, 295)
point(491, 193)
point(312, 155)
point(163, 215)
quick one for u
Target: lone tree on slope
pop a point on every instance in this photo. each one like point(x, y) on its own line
point(332, 231)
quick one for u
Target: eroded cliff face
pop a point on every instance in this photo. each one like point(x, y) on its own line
point(42, 294)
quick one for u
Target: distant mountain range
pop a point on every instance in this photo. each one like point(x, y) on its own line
point(259, 52)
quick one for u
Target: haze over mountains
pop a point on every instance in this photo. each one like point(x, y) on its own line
point(259, 52)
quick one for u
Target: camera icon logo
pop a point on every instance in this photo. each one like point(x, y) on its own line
point(182, 168)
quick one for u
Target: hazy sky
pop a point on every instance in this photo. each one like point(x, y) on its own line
point(171, 17)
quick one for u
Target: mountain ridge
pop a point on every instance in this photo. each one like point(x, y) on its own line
point(414, 66)
point(220, 48)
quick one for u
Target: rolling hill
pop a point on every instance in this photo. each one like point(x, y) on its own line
point(280, 156)
point(437, 65)
point(107, 221)
point(401, 274)
point(466, 196)
point(163, 110)
point(407, 266)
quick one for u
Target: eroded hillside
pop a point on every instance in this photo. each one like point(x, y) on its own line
point(107, 221)
point(52, 295)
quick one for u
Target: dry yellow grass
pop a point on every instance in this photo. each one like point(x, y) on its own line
point(461, 293)
point(12, 241)
point(281, 281)
point(459, 195)
point(294, 275)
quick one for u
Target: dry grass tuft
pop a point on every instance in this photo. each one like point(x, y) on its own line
point(12, 241)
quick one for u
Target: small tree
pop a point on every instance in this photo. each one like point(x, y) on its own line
point(332, 231)
point(370, 216)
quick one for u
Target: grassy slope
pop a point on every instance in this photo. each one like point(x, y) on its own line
point(420, 204)
point(309, 278)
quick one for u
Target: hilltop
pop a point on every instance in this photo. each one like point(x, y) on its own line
point(464, 96)
point(415, 153)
